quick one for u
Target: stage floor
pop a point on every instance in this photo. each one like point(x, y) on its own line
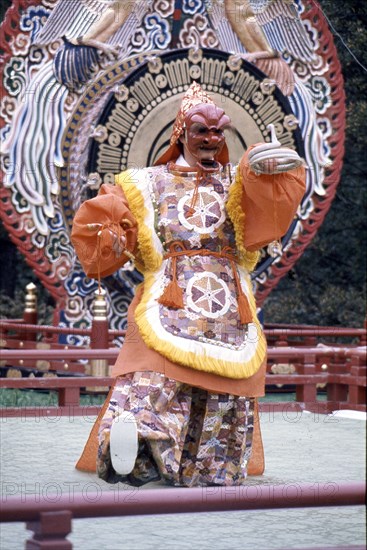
point(38, 457)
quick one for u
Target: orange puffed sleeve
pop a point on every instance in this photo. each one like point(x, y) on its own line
point(270, 202)
point(93, 243)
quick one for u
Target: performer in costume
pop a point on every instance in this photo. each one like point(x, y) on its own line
point(194, 358)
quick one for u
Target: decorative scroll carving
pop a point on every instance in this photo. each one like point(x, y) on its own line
point(41, 229)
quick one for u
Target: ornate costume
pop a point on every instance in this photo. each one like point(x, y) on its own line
point(194, 356)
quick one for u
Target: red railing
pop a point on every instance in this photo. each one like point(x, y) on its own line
point(298, 358)
point(299, 334)
point(51, 521)
point(20, 336)
point(310, 336)
point(340, 369)
point(345, 378)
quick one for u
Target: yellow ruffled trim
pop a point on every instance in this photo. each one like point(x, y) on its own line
point(205, 363)
point(151, 258)
point(247, 259)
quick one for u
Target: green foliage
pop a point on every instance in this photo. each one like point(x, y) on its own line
point(4, 5)
point(13, 282)
point(13, 307)
point(327, 286)
point(35, 398)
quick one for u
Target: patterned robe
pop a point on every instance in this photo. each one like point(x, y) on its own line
point(196, 235)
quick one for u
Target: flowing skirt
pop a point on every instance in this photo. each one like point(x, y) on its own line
point(187, 436)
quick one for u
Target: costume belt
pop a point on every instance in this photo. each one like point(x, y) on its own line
point(172, 296)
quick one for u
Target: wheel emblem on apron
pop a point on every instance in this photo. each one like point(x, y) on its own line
point(208, 211)
point(208, 295)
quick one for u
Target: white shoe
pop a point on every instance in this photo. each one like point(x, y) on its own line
point(124, 443)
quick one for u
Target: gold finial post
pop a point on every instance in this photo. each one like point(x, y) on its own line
point(31, 298)
point(30, 314)
point(99, 307)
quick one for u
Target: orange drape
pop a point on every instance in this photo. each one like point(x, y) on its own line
point(270, 202)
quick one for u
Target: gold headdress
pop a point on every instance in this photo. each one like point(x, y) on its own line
point(194, 96)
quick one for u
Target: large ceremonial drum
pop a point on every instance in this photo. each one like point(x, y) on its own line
point(73, 116)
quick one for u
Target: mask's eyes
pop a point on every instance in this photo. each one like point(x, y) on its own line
point(203, 130)
point(198, 128)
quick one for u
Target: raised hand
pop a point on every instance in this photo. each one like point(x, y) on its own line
point(272, 158)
